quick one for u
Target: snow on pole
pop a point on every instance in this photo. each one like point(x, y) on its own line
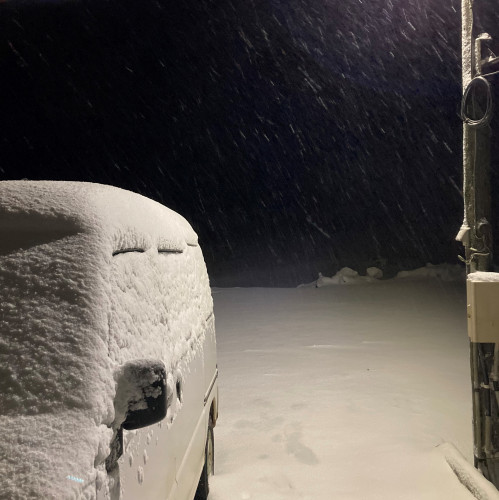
point(478, 486)
point(466, 50)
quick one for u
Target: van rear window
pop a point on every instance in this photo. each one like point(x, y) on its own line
point(25, 231)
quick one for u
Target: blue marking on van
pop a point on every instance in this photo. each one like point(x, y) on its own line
point(74, 478)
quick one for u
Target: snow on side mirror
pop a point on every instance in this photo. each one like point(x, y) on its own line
point(141, 396)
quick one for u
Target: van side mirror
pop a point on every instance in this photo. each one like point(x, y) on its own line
point(141, 398)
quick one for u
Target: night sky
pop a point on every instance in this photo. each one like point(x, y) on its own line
point(295, 136)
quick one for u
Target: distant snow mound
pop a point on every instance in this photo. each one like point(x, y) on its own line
point(374, 272)
point(348, 276)
point(445, 272)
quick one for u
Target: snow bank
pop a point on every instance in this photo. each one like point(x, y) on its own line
point(72, 310)
point(345, 276)
point(445, 272)
point(348, 276)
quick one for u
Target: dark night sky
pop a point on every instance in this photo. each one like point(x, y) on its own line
point(295, 136)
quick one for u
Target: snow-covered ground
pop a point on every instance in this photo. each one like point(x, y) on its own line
point(342, 392)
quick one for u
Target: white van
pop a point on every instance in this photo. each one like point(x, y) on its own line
point(108, 375)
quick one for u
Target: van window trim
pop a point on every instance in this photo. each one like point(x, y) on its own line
point(128, 250)
point(212, 384)
point(170, 250)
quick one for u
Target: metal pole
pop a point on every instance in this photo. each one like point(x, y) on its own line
point(475, 234)
point(467, 72)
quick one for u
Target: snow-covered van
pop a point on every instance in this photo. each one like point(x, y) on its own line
point(108, 377)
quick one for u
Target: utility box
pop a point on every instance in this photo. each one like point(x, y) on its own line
point(483, 306)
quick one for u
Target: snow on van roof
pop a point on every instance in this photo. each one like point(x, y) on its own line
point(125, 220)
point(66, 321)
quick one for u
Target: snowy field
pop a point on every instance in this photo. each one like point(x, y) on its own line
point(342, 392)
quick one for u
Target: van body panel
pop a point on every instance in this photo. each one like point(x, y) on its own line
point(93, 277)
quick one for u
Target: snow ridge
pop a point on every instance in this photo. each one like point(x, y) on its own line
point(348, 276)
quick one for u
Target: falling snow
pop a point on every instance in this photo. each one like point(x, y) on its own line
point(252, 119)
